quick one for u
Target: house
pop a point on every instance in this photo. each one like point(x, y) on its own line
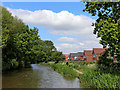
point(76, 56)
point(88, 55)
point(66, 57)
point(97, 52)
point(80, 56)
point(73, 56)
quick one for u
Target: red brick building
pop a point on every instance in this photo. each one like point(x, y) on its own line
point(66, 57)
point(81, 58)
point(88, 55)
point(97, 52)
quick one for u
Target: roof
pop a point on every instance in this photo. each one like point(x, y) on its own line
point(80, 53)
point(98, 50)
point(87, 52)
point(76, 54)
point(66, 55)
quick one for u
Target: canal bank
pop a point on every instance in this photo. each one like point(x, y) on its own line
point(89, 75)
point(38, 76)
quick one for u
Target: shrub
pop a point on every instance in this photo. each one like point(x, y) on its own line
point(100, 80)
point(105, 64)
point(14, 63)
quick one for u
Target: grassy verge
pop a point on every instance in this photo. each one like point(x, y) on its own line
point(82, 66)
point(62, 69)
point(100, 80)
point(92, 77)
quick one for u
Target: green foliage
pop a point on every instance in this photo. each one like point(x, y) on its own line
point(94, 77)
point(57, 56)
point(91, 77)
point(107, 25)
point(63, 69)
point(105, 64)
point(104, 59)
point(14, 63)
point(22, 46)
point(100, 80)
point(82, 66)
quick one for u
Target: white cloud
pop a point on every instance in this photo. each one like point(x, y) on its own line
point(81, 44)
point(69, 48)
point(62, 23)
point(77, 45)
point(67, 39)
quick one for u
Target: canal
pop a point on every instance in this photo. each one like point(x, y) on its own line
point(38, 76)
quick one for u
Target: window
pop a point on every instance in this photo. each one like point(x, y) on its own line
point(84, 57)
point(94, 55)
point(94, 60)
point(75, 57)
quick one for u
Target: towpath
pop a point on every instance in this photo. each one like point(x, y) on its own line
point(78, 71)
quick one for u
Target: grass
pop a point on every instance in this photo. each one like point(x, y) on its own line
point(92, 77)
point(62, 69)
point(100, 80)
point(82, 66)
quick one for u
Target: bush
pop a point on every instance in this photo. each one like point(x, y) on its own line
point(106, 65)
point(100, 80)
point(14, 63)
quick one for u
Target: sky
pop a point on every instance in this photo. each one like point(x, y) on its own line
point(64, 23)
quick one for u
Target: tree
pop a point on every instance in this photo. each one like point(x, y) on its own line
point(57, 56)
point(107, 25)
point(18, 41)
point(49, 48)
point(22, 46)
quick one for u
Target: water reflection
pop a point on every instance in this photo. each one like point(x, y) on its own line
point(38, 76)
point(24, 78)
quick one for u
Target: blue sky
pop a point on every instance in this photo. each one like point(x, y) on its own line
point(64, 23)
point(73, 7)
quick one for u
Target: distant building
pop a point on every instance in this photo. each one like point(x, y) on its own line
point(66, 57)
point(88, 55)
point(76, 56)
point(97, 52)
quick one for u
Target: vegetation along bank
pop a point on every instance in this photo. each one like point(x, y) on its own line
point(92, 77)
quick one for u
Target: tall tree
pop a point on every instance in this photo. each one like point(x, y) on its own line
point(107, 25)
point(21, 45)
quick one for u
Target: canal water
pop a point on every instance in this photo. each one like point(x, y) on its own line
point(38, 76)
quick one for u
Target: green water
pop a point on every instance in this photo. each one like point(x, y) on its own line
point(38, 76)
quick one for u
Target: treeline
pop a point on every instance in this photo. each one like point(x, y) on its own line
point(22, 46)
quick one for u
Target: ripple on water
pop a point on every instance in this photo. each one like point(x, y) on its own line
point(38, 76)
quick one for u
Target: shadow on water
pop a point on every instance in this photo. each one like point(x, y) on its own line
point(38, 76)
point(22, 78)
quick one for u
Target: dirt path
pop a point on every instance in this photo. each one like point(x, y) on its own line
point(78, 71)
